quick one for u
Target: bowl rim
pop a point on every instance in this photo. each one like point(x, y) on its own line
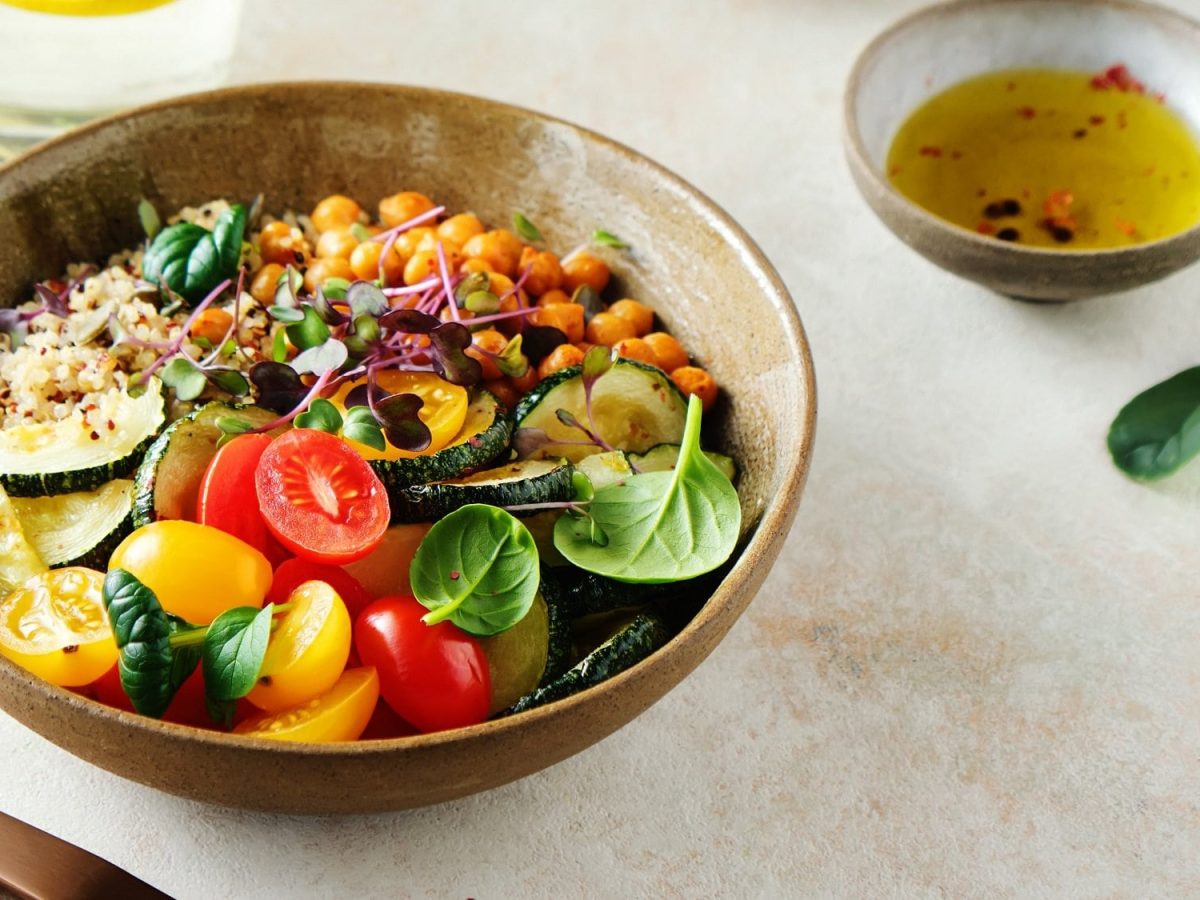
point(856, 148)
point(773, 524)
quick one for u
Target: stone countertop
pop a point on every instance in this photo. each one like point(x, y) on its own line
point(975, 669)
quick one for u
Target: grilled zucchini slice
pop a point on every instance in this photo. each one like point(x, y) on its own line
point(19, 561)
point(662, 458)
point(80, 529)
point(513, 484)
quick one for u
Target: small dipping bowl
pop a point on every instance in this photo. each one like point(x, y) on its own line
point(940, 46)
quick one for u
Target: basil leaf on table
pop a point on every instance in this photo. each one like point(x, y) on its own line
point(658, 526)
point(233, 651)
point(1159, 429)
point(477, 567)
point(190, 260)
point(147, 664)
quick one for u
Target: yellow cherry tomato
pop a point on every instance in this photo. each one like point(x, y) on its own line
point(340, 714)
point(385, 570)
point(443, 412)
point(55, 626)
point(197, 572)
point(307, 652)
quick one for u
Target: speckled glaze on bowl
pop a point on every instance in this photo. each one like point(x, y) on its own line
point(74, 198)
point(942, 45)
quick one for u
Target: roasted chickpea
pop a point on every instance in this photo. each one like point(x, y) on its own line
point(486, 342)
point(496, 249)
point(527, 382)
point(551, 297)
point(265, 282)
point(670, 352)
point(561, 357)
point(421, 266)
point(335, 211)
point(460, 228)
point(503, 391)
point(607, 329)
point(364, 262)
point(321, 270)
point(695, 381)
point(545, 273)
point(411, 242)
point(471, 266)
point(636, 348)
point(583, 268)
point(639, 314)
point(566, 317)
point(212, 324)
point(279, 242)
point(336, 242)
point(400, 208)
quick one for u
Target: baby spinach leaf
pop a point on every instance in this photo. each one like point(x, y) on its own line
point(658, 526)
point(142, 631)
point(1159, 429)
point(477, 567)
point(190, 260)
point(233, 651)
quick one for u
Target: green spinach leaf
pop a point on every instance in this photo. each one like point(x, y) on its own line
point(1159, 429)
point(233, 651)
point(477, 567)
point(658, 526)
point(147, 664)
point(190, 260)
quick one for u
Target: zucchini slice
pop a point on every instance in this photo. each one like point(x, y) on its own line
point(19, 561)
point(634, 407)
point(513, 484)
point(517, 657)
point(662, 458)
point(631, 644)
point(603, 469)
point(80, 529)
point(578, 593)
point(482, 440)
point(42, 459)
point(168, 480)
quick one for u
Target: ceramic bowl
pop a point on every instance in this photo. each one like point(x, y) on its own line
point(942, 45)
point(74, 199)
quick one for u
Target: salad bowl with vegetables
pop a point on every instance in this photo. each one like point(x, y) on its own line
point(374, 470)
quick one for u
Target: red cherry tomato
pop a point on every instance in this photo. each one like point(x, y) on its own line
point(386, 724)
point(294, 572)
point(320, 498)
point(226, 498)
point(435, 677)
point(187, 706)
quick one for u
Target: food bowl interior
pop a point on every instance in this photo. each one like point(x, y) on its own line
point(948, 44)
point(74, 200)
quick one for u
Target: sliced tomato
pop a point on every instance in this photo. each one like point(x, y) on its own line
point(443, 409)
point(226, 490)
point(294, 572)
point(340, 714)
point(320, 498)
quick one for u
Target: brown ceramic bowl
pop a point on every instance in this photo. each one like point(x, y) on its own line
point(74, 199)
point(945, 44)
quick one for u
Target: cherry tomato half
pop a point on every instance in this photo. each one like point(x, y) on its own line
point(340, 714)
point(320, 498)
point(224, 500)
point(435, 677)
point(295, 571)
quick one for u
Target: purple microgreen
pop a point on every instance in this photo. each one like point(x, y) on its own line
point(586, 296)
point(358, 398)
point(334, 288)
point(231, 381)
point(398, 415)
point(309, 332)
point(410, 321)
point(482, 303)
point(384, 236)
point(448, 341)
point(321, 415)
point(526, 229)
point(279, 386)
point(317, 360)
point(371, 435)
point(567, 418)
point(176, 345)
point(540, 341)
point(500, 317)
point(288, 288)
point(388, 246)
point(288, 315)
point(408, 290)
point(447, 282)
point(511, 361)
point(603, 238)
point(326, 311)
point(53, 303)
point(279, 350)
point(182, 376)
point(230, 428)
point(360, 415)
point(365, 299)
point(148, 216)
point(366, 328)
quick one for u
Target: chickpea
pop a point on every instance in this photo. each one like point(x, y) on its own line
point(561, 357)
point(583, 268)
point(411, 242)
point(545, 273)
point(212, 325)
point(279, 242)
point(336, 242)
point(321, 270)
point(503, 391)
point(566, 317)
point(484, 342)
point(636, 348)
point(364, 263)
point(607, 329)
point(695, 381)
point(496, 250)
point(639, 314)
point(552, 297)
point(670, 352)
point(265, 282)
point(471, 266)
point(527, 382)
point(335, 211)
point(460, 228)
point(421, 266)
point(400, 208)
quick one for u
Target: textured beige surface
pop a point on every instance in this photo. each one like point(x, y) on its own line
point(976, 671)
